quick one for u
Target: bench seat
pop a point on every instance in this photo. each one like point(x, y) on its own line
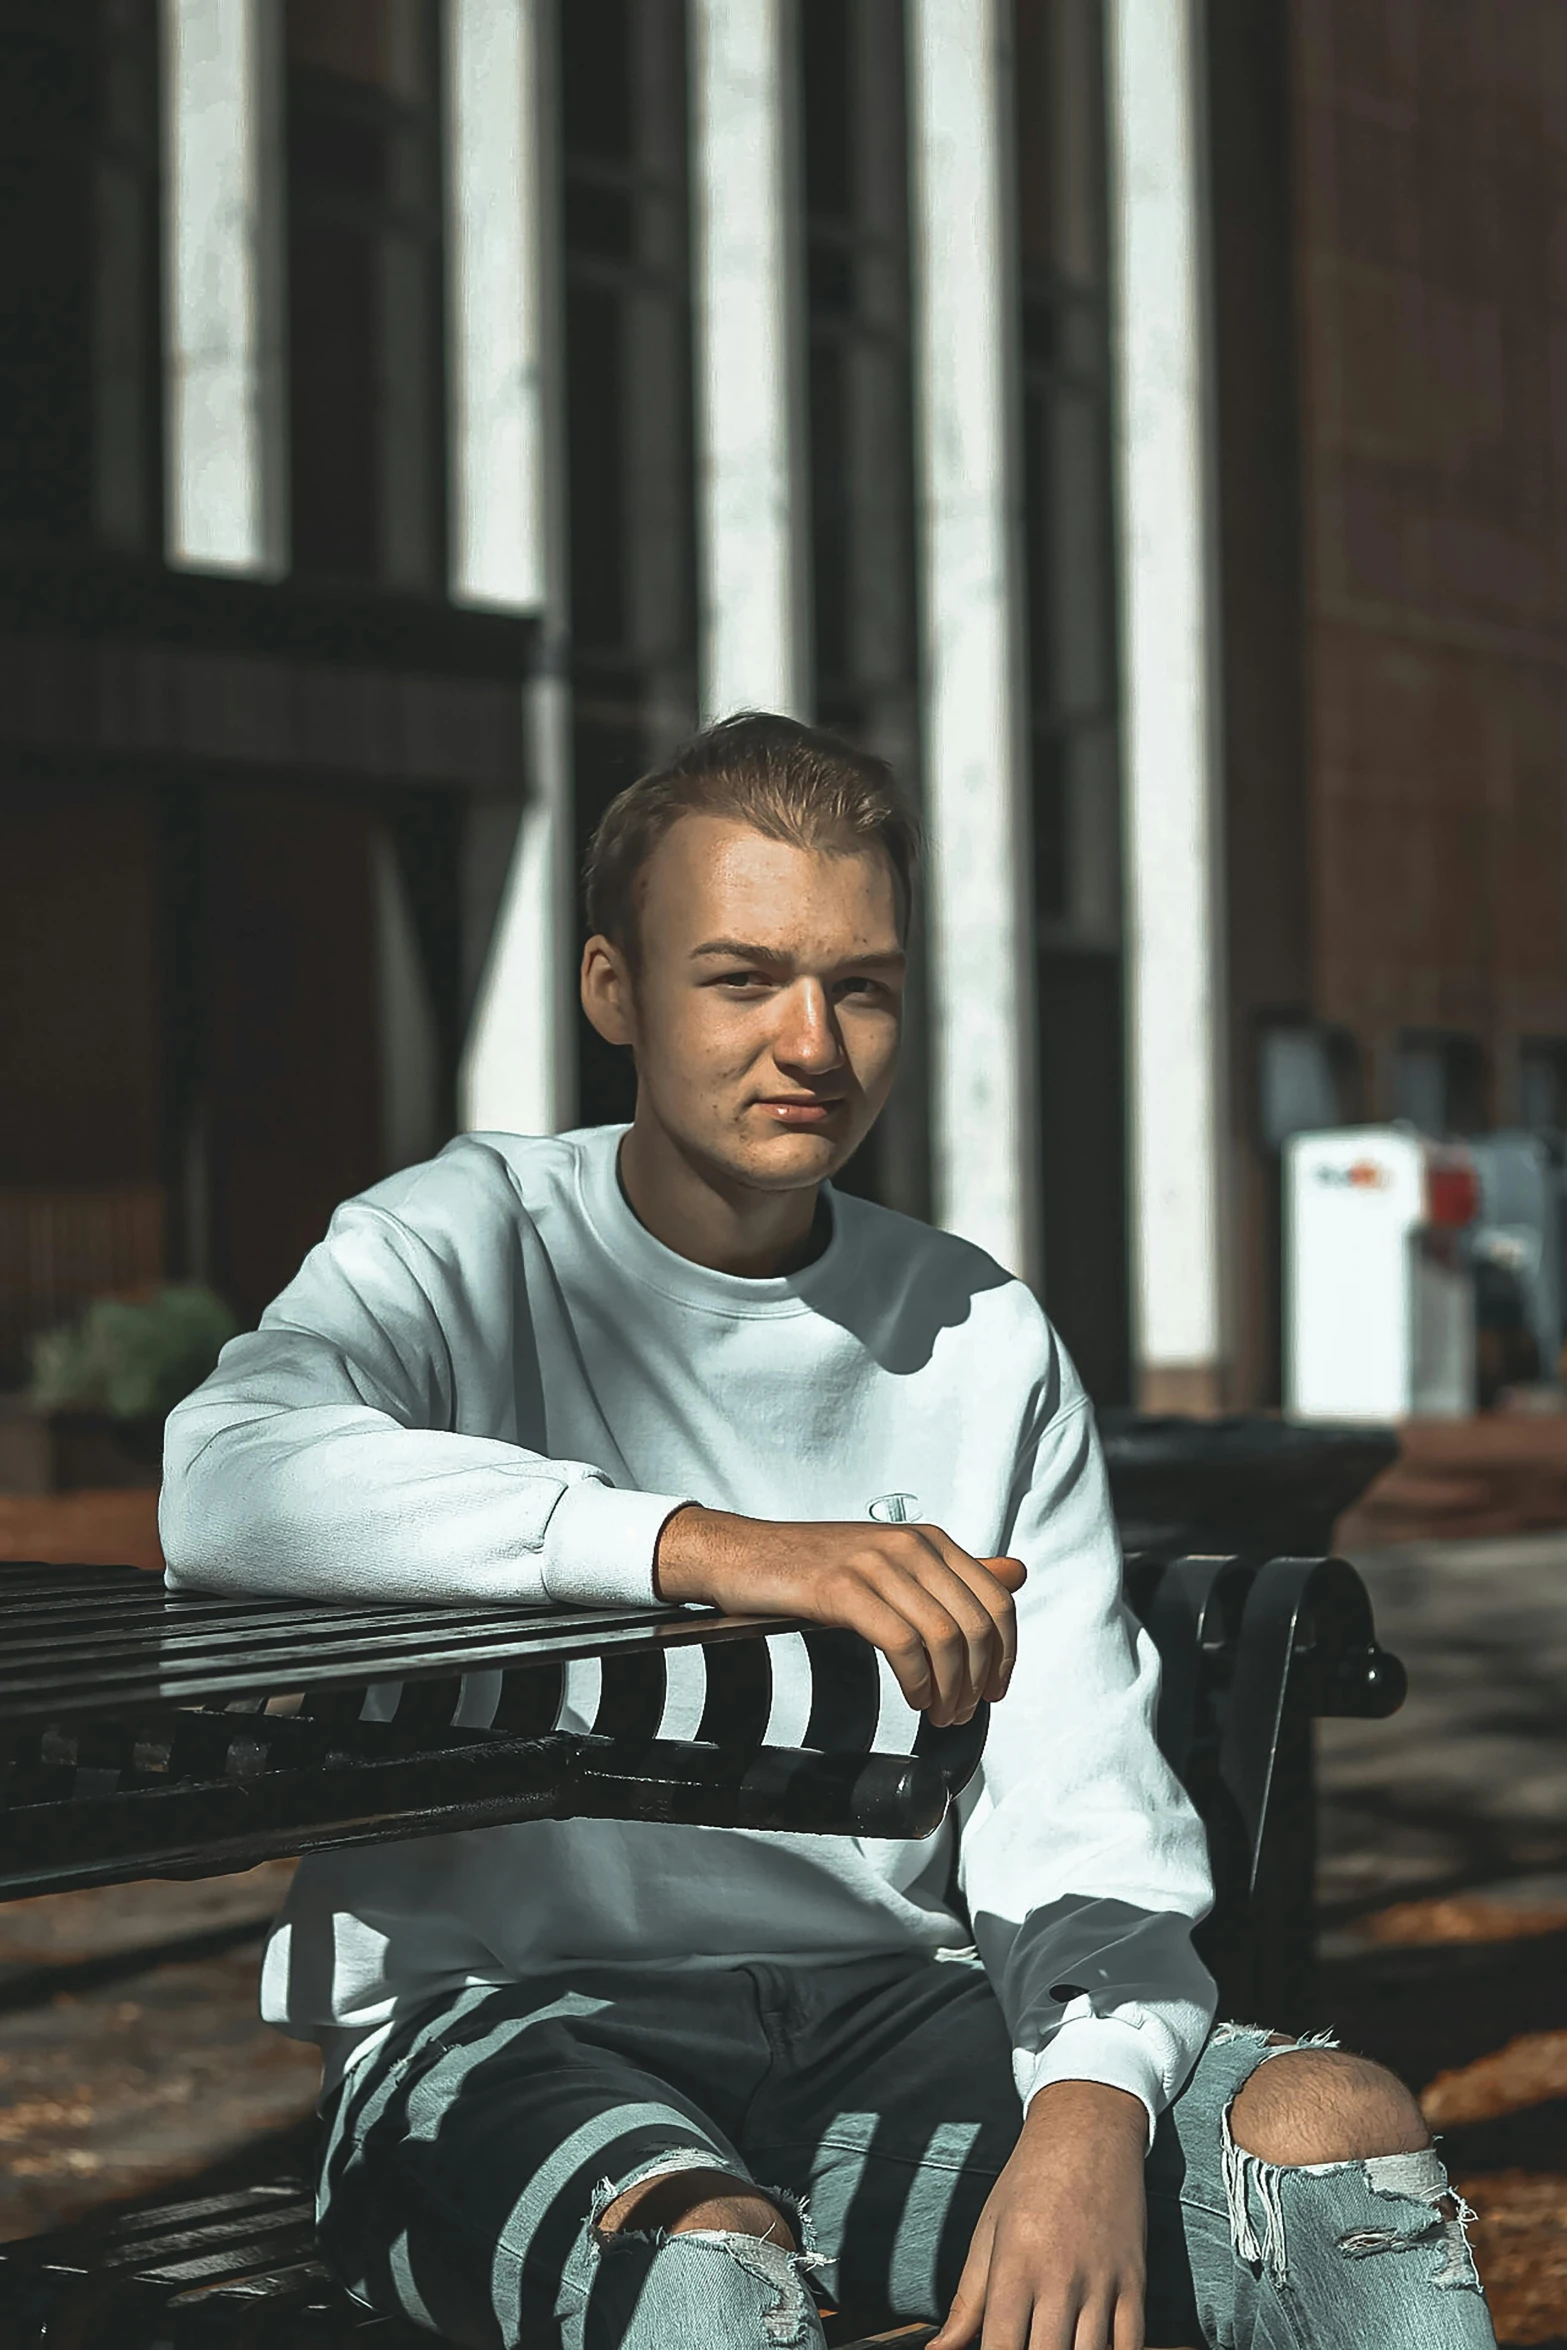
point(1252, 1654)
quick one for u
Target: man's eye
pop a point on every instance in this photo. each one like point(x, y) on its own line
point(875, 989)
point(750, 980)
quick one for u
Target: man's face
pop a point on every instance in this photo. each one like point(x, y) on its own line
point(767, 1005)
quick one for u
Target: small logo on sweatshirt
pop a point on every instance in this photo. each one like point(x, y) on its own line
point(896, 1509)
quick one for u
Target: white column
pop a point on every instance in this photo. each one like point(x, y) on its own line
point(1173, 890)
point(984, 1135)
point(223, 360)
point(750, 502)
point(506, 471)
point(495, 392)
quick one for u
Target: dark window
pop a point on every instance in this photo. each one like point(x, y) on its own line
point(290, 1121)
point(1066, 458)
point(362, 117)
point(1308, 1078)
point(862, 569)
point(857, 301)
point(79, 353)
point(1542, 1082)
point(628, 418)
point(1071, 676)
point(1439, 1081)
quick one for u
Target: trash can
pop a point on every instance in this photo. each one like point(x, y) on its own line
point(1247, 1484)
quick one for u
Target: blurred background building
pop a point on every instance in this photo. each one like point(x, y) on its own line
point(1145, 422)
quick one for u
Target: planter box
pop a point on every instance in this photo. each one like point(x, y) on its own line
point(71, 1452)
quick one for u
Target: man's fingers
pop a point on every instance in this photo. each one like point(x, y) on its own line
point(1127, 2332)
point(1098, 2328)
point(993, 1593)
point(887, 1626)
point(984, 1631)
point(983, 1614)
point(961, 2327)
point(889, 1596)
point(946, 1640)
point(968, 2303)
point(1011, 1574)
point(1014, 2320)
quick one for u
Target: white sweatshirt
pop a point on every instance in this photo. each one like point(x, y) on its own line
point(491, 1382)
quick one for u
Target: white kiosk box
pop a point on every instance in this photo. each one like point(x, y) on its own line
point(1379, 1303)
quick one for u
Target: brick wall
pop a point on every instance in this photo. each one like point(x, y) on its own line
point(1431, 183)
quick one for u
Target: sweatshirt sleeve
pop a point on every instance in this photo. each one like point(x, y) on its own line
point(329, 1455)
point(1083, 1863)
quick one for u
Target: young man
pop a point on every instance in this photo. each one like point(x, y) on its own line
point(624, 2087)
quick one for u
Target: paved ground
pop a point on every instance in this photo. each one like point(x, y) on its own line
point(130, 2049)
point(1500, 1473)
point(1469, 1782)
point(1443, 1883)
point(130, 2053)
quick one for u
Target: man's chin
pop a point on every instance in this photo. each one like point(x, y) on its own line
point(790, 1159)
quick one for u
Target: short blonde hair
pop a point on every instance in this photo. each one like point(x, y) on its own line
point(788, 781)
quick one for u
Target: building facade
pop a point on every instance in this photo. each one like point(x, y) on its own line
point(1389, 425)
point(1133, 417)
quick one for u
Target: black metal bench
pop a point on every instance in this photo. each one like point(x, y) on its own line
point(144, 1733)
point(118, 1766)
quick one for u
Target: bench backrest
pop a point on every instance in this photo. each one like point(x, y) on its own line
point(1252, 1654)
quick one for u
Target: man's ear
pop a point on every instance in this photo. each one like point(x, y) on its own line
point(607, 995)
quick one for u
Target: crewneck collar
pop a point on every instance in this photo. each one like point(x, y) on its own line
point(646, 1259)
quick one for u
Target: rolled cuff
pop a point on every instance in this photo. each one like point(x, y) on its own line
point(599, 1545)
point(1096, 2048)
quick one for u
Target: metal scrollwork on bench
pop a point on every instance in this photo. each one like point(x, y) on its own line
point(1252, 1655)
point(1251, 1652)
point(154, 1734)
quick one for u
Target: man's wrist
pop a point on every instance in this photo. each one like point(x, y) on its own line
point(1088, 2106)
point(683, 1554)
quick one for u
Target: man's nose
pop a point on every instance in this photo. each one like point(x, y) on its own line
point(808, 1038)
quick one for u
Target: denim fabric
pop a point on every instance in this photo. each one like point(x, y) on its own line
point(1245, 2255)
point(468, 2160)
point(648, 2292)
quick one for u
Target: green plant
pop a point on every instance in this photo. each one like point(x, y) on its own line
point(131, 1358)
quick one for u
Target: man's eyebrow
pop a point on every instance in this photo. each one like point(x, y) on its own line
point(739, 950)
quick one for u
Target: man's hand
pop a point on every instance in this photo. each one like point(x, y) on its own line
point(944, 1621)
point(1058, 2258)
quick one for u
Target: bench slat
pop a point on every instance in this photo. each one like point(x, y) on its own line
point(60, 1657)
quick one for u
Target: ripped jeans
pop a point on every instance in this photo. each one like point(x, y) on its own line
point(468, 2159)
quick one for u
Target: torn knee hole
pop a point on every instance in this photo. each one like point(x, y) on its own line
point(1307, 2105)
point(680, 2197)
point(616, 2201)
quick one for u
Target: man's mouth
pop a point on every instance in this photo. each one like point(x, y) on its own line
point(799, 1109)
